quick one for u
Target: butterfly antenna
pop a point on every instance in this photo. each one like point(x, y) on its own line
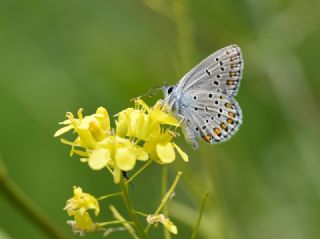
point(151, 92)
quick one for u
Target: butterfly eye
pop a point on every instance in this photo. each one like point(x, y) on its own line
point(170, 89)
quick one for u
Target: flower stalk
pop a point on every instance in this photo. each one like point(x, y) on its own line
point(126, 225)
point(164, 185)
point(103, 224)
point(196, 228)
point(131, 211)
point(109, 196)
point(26, 206)
point(139, 171)
point(166, 198)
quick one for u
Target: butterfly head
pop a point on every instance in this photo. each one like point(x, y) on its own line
point(169, 96)
point(167, 90)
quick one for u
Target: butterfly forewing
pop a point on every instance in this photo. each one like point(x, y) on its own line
point(221, 70)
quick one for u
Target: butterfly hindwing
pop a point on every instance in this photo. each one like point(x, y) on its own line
point(211, 115)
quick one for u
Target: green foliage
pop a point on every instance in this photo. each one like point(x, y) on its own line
point(57, 56)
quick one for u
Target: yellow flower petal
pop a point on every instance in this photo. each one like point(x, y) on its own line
point(165, 152)
point(183, 155)
point(86, 138)
point(156, 218)
point(81, 202)
point(150, 148)
point(170, 226)
point(64, 141)
point(122, 124)
point(133, 119)
point(65, 122)
point(83, 222)
point(99, 158)
point(164, 118)
point(79, 113)
point(142, 104)
point(96, 129)
point(116, 175)
point(81, 153)
point(141, 125)
point(63, 130)
point(104, 120)
point(143, 155)
point(125, 159)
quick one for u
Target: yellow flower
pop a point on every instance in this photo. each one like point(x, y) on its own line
point(141, 133)
point(77, 206)
point(143, 123)
point(90, 129)
point(81, 202)
point(159, 114)
point(117, 153)
point(162, 150)
point(154, 219)
point(135, 124)
point(82, 223)
point(146, 124)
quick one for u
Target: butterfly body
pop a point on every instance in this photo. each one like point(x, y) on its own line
point(203, 100)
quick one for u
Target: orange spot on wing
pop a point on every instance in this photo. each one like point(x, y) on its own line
point(229, 121)
point(230, 82)
point(217, 131)
point(207, 138)
point(223, 126)
point(231, 114)
point(233, 73)
point(228, 105)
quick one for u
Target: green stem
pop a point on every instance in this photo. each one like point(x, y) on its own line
point(164, 185)
point(131, 211)
point(109, 196)
point(109, 169)
point(103, 224)
point(26, 206)
point(141, 214)
point(196, 228)
point(140, 170)
point(127, 226)
point(166, 197)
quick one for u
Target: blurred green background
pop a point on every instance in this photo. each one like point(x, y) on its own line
point(58, 56)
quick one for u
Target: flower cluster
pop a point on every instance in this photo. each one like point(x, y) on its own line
point(154, 219)
point(78, 207)
point(141, 133)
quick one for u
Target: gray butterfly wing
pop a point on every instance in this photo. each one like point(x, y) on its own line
point(221, 70)
point(209, 114)
point(203, 98)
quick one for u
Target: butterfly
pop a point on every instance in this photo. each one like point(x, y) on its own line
point(203, 100)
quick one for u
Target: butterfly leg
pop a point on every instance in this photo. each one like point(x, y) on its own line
point(181, 119)
point(188, 132)
point(190, 137)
